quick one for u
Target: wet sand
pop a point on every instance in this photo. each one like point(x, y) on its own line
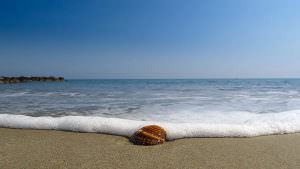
point(30, 149)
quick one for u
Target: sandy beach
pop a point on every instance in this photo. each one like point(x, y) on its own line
point(59, 149)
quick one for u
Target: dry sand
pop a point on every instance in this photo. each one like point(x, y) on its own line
point(40, 149)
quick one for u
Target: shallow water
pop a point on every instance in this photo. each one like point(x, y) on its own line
point(274, 103)
point(159, 100)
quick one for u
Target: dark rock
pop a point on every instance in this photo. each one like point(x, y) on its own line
point(22, 79)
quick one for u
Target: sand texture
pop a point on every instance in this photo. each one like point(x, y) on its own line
point(30, 149)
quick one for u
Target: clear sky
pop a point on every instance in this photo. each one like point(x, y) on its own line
point(150, 39)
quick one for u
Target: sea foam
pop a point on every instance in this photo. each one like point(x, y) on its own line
point(264, 124)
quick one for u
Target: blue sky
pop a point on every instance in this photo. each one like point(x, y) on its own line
point(150, 39)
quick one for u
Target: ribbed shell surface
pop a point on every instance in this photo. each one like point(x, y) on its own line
point(149, 135)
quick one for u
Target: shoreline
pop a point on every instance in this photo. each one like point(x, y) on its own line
point(289, 123)
point(25, 148)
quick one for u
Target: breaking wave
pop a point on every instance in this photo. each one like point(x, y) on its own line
point(252, 125)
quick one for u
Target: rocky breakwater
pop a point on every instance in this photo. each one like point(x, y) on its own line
point(23, 79)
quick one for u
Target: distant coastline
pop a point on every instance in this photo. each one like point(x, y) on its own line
point(23, 79)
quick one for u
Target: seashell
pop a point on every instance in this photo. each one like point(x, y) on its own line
point(149, 135)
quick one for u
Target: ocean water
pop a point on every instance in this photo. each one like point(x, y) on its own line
point(186, 108)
